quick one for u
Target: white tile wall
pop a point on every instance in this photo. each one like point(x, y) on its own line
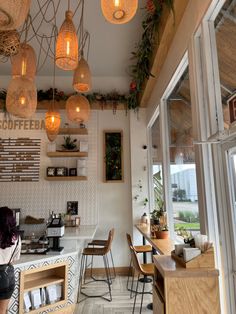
point(38, 198)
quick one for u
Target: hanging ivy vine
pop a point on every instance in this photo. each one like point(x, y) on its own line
point(143, 54)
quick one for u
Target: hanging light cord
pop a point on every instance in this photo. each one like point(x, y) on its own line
point(33, 27)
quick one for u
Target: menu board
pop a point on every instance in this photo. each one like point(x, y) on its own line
point(19, 159)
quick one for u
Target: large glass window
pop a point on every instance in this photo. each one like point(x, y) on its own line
point(157, 165)
point(225, 25)
point(182, 158)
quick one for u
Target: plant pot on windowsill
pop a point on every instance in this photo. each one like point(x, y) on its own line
point(163, 234)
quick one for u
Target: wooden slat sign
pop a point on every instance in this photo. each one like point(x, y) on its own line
point(19, 159)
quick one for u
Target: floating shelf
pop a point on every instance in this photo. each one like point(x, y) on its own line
point(39, 283)
point(75, 178)
point(73, 131)
point(67, 154)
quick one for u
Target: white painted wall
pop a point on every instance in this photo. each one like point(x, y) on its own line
point(114, 199)
point(139, 169)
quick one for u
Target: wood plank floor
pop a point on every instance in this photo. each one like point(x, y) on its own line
point(121, 302)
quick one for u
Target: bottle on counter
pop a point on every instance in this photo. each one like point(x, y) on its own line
point(144, 219)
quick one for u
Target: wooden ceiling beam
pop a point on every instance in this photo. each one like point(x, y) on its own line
point(168, 27)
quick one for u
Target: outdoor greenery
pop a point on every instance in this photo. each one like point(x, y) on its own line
point(188, 216)
point(187, 226)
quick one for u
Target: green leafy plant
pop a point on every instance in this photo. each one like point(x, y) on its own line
point(143, 55)
point(113, 156)
point(145, 202)
point(158, 191)
point(156, 214)
point(69, 143)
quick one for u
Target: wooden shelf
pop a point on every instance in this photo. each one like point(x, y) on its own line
point(40, 283)
point(75, 178)
point(67, 154)
point(73, 131)
point(48, 306)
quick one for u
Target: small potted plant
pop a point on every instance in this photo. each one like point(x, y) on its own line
point(162, 233)
point(69, 143)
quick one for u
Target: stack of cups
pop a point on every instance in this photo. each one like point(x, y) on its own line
point(82, 167)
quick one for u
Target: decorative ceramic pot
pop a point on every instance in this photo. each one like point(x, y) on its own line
point(162, 234)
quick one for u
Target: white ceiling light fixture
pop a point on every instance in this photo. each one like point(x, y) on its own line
point(119, 11)
point(13, 13)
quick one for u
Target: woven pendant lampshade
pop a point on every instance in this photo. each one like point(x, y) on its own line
point(67, 45)
point(52, 124)
point(119, 11)
point(24, 62)
point(21, 100)
point(82, 77)
point(9, 43)
point(13, 13)
point(78, 108)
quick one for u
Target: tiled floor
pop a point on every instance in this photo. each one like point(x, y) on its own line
point(121, 303)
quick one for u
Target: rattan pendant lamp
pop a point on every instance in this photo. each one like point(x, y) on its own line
point(13, 13)
point(67, 44)
point(119, 11)
point(78, 109)
point(52, 116)
point(21, 100)
point(82, 74)
point(24, 62)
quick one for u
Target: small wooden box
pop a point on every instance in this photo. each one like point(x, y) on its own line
point(205, 260)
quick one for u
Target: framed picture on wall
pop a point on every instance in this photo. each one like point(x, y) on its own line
point(113, 156)
point(72, 208)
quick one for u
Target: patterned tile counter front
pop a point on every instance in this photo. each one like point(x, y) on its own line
point(73, 243)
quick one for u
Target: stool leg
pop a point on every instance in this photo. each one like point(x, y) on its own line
point(108, 279)
point(109, 270)
point(142, 298)
point(136, 292)
point(127, 284)
point(132, 284)
point(80, 277)
point(114, 270)
point(86, 259)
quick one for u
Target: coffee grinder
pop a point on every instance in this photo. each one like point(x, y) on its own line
point(55, 230)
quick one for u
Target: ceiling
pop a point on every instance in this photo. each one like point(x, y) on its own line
point(110, 47)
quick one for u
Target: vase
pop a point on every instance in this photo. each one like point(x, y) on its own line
point(162, 234)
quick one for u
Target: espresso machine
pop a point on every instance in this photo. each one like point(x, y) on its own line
point(55, 230)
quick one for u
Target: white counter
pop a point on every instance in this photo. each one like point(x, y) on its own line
point(80, 233)
point(73, 242)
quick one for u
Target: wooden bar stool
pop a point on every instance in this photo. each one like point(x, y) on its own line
point(103, 243)
point(138, 249)
point(95, 251)
point(141, 269)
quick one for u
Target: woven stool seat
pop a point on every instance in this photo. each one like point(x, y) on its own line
point(98, 242)
point(94, 251)
point(147, 269)
point(143, 248)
